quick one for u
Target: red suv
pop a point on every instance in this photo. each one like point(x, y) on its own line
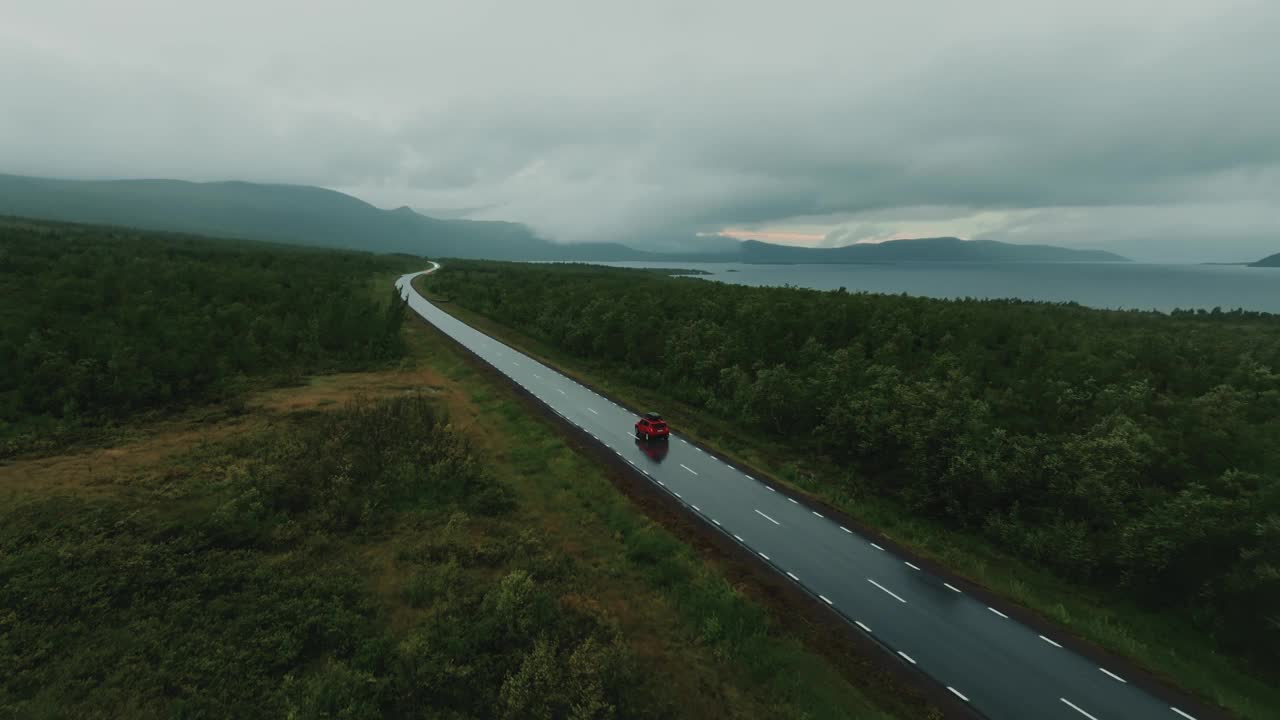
point(651, 426)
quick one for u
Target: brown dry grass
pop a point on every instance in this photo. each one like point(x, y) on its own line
point(148, 450)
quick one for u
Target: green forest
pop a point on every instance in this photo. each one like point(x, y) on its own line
point(98, 324)
point(1129, 450)
point(249, 546)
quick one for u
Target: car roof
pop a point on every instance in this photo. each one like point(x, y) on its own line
point(652, 416)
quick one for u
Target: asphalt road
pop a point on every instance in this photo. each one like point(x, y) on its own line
point(1001, 668)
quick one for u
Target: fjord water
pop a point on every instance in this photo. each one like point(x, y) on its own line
point(1128, 286)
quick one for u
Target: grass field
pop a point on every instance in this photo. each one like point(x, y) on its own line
point(1159, 642)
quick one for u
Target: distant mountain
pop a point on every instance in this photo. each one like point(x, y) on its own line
point(942, 249)
point(305, 215)
point(295, 214)
point(1268, 261)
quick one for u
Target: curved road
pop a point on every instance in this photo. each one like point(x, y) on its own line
point(1001, 668)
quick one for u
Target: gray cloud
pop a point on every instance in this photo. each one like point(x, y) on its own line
point(1127, 124)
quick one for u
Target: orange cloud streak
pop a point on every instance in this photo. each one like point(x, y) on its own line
point(782, 235)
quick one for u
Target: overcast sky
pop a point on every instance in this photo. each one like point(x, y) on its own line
point(1148, 128)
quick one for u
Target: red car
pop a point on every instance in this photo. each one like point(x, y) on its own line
point(651, 426)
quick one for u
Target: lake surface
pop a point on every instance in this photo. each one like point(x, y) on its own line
point(1134, 286)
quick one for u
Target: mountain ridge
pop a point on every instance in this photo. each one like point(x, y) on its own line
point(310, 215)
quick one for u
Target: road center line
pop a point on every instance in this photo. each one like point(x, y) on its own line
point(593, 412)
point(766, 517)
point(892, 594)
point(913, 567)
point(908, 657)
point(1050, 641)
point(686, 467)
point(957, 693)
point(1113, 675)
point(1006, 617)
point(1075, 707)
point(951, 587)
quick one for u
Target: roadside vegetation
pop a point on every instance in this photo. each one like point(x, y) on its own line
point(405, 541)
point(1114, 471)
point(100, 324)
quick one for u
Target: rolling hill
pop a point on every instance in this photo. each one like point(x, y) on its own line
point(941, 249)
point(306, 215)
point(1268, 261)
point(295, 214)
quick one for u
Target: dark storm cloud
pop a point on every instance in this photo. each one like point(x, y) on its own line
point(1151, 124)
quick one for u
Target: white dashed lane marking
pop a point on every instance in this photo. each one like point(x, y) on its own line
point(1050, 641)
point(892, 594)
point(1113, 675)
point(877, 547)
point(686, 467)
point(913, 567)
point(908, 657)
point(593, 412)
point(1075, 707)
point(859, 624)
point(792, 576)
point(1188, 717)
point(766, 517)
point(951, 587)
point(957, 693)
point(1006, 617)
